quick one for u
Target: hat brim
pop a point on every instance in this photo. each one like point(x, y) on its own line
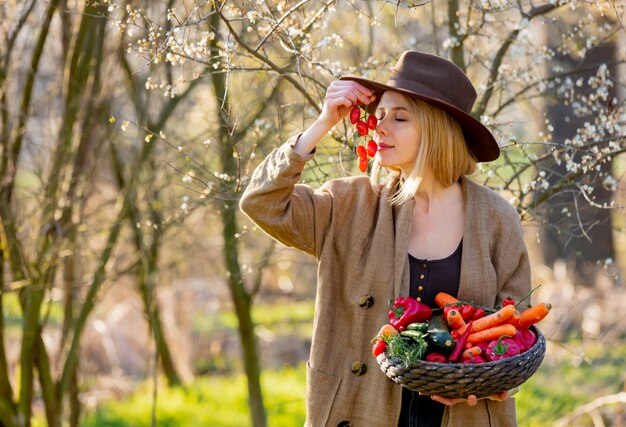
point(479, 139)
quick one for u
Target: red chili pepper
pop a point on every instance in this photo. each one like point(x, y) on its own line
point(502, 348)
point(436, 357)
point(372, 121)
point(361, 127)
point(472, 360)
point(479, 313)
point(362, 163)
point(467, 312)
point(355, 115)
point(525, 338)
point(508, 301)
point(371, 147)
point(408, 310)
point(460, 345)
point(361, 151)
point(379, 347)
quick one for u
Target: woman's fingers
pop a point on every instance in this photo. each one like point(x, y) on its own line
point(446, 400)
point(504, 395)
point(352, 90)
point(354, 96)
point(471, 400)
point(341, 96)
point(341, 102)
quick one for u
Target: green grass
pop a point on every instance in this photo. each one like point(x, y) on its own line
point(561, 386)
point(219, 401)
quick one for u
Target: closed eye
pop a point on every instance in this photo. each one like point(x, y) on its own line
point(380, 117)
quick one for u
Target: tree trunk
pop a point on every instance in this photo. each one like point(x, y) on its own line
point(241, 298)
point(585, 236)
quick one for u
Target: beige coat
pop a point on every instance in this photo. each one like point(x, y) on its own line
point(361, 242)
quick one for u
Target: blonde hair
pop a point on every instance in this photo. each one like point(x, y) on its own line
point(442, 149)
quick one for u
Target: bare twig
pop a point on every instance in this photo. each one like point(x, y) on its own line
point(594, 405)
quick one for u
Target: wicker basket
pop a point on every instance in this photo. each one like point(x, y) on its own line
point(460, 380)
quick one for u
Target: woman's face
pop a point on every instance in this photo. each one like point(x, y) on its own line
point(397, 133)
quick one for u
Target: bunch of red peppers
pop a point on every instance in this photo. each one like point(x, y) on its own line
point(364, 123)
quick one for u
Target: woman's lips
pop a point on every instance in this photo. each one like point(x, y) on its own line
point(382, 147)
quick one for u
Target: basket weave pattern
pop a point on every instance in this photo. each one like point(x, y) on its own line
point(454, 380)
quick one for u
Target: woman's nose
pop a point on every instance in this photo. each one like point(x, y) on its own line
point(380, 129)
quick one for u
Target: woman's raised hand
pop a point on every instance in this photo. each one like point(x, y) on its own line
point(341, 97)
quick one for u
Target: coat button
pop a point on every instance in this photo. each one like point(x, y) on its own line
point(344, 423)
point(359, 368)
point(366, 301)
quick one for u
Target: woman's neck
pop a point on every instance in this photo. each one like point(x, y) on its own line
point(432, 191)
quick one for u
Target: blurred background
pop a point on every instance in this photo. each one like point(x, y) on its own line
point(132, 290)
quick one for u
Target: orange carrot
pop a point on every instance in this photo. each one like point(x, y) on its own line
point(455, 320)
point(493, 319)
point(443, 298)
point(514, 320)
point(473, 351)
point(386, 331)
point(534, 314)
point(492, 333)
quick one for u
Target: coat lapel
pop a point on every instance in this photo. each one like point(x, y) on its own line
point(466, 292)
point(403, 214)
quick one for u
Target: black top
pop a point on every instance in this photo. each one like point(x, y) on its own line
point(427, 279)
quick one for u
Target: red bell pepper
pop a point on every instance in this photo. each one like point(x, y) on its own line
point(472, 360)
point(436, 357)
point(525, 338)
point(408, 310)
point(502, 348)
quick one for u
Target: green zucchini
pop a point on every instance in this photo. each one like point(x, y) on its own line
point(417, 335)
point(438, 323)
point(420, 327)
point(439, 337)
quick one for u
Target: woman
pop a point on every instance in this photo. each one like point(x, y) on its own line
point(427, 228)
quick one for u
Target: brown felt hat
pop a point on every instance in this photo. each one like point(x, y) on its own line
point(441, 83)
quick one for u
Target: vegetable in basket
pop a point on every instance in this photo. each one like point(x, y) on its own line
point(474, 360)
point(386, 331)
point(534, 314)
point(409, 348)
point(467, 312)
point(492, 333)
point(460, 345)
point(405, 311)
point(439, 337)
point(378, 348)
point(502, 348)
point(436, 357)
point(525, 338)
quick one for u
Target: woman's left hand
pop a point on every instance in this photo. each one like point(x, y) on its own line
point(471, 400)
